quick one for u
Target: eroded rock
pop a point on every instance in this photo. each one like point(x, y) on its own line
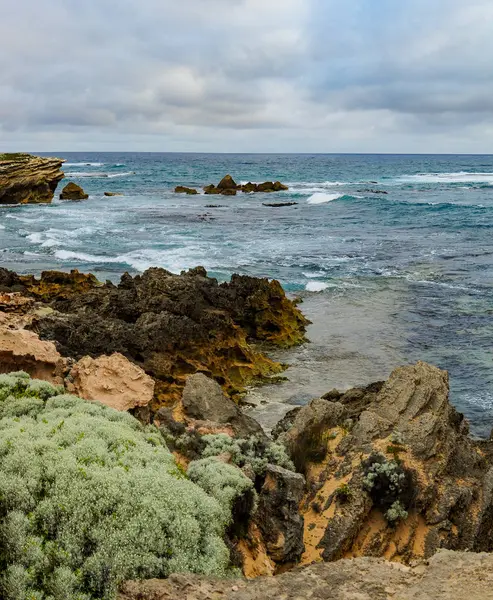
point(27, 179)
point(180, 189)
point(112, 380)
point(72, 191)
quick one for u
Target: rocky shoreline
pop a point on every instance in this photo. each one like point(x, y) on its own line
point(385, 471)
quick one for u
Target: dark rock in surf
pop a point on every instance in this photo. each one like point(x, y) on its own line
point(72, 191)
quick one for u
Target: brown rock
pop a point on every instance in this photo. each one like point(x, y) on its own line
point(113, 194)
point(72, 191)
point(112, 380)
point(180, 189)
point(446, 576)
point(27, 179)
point(227, 183)
point(22, 350)
point(211, 189)
point(228, 192)
point(58, 285)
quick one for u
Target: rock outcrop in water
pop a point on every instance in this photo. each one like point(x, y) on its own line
point(228, 187)
point(170, 325)
point(27, 179)
point(72, 191)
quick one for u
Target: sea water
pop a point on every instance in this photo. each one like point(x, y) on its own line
point(387, 278)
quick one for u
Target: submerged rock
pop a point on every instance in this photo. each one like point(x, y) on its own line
point(27, 179)
point(72, 191)
point(113, 194)
point(278, 204)
point(180, 189)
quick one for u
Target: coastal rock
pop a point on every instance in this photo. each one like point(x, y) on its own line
point(180, 189)
point(72, 191)
point(22, 350)
point(278, 518)
point(457, 575)
point(278, 204)
point(113, 194)
point(170, 325)
point(27, 179)
point(204, 399)
point(391, 471)
point(112, 380)
point(227, 183)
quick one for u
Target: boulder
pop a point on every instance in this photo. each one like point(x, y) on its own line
point(22, 350)
point(180, 189)
point(204, 400)
point(113, 194)
point(27, 179)
point(227, 183)
point(112, 380)
point(72, 191)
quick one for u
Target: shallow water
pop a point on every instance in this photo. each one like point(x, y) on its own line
point(386, 278)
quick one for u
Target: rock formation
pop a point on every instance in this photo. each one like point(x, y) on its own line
point(180, 189)
point(113, 194)
point(27, 179)
point(170, 325)
point(446, 576)
point(391, 471)
point(72, 191)
point(112, 380)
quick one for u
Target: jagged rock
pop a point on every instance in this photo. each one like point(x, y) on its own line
point(204, 399)
point(170, 325)
point(72, 191)
point(180, 189)
point(404, 429)
point(22, 350)
point(227, 183)
point(112, 380)
point(446, 576)
point(113, 194)
point(278, 517)
point(27, 179)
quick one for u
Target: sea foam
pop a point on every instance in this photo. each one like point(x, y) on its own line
point(320, 198)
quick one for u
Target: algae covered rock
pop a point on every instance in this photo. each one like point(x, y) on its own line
point(180, 189)
point(27, 179)
point(72, 191)
point(227, 183)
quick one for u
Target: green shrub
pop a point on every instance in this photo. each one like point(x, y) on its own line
point(254, 452)
point(89, 498)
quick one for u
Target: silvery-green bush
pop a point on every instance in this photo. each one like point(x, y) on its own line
point(89, 498)
point(254, 452)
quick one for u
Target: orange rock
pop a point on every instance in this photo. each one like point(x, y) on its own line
point(112, 380)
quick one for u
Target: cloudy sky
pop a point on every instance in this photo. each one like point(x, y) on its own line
point(247, 75)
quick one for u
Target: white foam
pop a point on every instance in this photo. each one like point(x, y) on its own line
point(35, 238)
point(459, 177)
point(84, 257)
point(316, 286)
point(320, 198)
point(98, 174)
point(2, 226)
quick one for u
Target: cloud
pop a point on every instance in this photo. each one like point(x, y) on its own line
point(247, 75)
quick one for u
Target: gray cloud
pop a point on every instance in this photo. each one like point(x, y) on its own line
point(247, 75)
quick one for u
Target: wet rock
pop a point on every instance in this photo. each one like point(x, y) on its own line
point(57, 285)
point(113, 194)
point(112, 380)
point(180, 189)
point(27, 179)
point(278, 516)
point(279, 204)
point(227, 183)
point(22, 350)
point(371, 191)
point(72, 191)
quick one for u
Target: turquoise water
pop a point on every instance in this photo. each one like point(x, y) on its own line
point(386, 278)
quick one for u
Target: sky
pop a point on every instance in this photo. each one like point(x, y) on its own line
point(247, 75)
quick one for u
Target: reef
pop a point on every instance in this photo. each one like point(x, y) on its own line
point(169, 325)
point(228, 187)
point(27, 179)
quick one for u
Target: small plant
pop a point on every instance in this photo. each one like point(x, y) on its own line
point(344, 493)
point(396, 438)
point(389, 485)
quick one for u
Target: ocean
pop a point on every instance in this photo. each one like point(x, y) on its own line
point(387, 278)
